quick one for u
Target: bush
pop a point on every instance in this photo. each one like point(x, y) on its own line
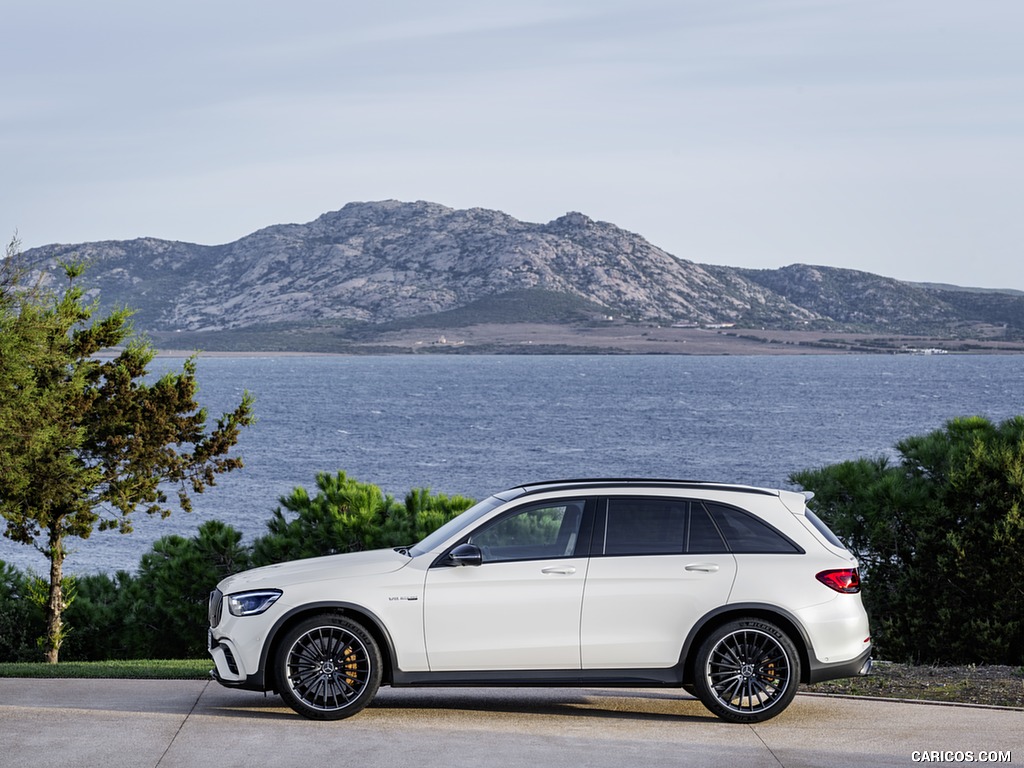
point(21, 619)
point(349, 516)
point(423, 514)
point(160, 613)
point(170, 595)
point(939, 535)
point(99, 618)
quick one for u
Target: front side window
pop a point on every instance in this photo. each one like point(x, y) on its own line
point(534, 533)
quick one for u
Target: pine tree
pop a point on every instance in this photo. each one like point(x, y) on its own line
point(85, 440)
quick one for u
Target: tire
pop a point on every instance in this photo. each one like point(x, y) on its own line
point(747, 671)
point(329, 667)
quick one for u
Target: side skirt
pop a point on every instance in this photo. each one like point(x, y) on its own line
point(670, 677)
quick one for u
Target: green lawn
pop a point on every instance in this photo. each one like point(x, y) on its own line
point(145, 669)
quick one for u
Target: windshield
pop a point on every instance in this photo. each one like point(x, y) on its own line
point(456, 524)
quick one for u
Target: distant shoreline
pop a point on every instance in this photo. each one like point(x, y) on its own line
point(551, 339)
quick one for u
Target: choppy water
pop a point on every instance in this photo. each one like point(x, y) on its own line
point(474, 425)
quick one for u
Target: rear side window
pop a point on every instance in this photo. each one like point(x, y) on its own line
point(747, 534)
point(645, 527)
point(649, 526)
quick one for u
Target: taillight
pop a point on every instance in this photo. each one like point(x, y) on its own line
point(842, 580)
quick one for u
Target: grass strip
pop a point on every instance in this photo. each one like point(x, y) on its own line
point(140, 669)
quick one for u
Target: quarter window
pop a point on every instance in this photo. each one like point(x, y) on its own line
point(746, 534)
point(824, 530)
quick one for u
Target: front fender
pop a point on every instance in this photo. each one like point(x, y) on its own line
point(368, 618)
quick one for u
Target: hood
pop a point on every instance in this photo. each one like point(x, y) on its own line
point(316, 568)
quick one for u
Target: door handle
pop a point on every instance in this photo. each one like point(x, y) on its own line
point(703, 567)
point(566, 570)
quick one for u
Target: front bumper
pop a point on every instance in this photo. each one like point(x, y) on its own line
point(252, 683)
point(226, 669)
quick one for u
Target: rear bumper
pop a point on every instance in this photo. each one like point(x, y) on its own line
point(856, 667)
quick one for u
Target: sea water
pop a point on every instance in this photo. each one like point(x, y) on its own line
point(473, 425)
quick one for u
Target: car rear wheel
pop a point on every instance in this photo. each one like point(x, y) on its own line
point(329, 667)
point(747, 671)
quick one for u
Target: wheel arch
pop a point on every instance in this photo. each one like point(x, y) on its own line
point(713, 620)
point(359, 613)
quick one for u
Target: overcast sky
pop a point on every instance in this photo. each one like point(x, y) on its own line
point(882, 135)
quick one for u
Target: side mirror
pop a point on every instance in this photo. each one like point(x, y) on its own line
point(465, 554)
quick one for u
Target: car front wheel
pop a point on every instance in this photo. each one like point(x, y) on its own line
point(329, 668)
point(747, 671)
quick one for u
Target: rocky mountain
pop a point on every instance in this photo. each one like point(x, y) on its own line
point(857, 300)
point(384, 264)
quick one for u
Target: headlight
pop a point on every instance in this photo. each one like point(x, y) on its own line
point(252, 603)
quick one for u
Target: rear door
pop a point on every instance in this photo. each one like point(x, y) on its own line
point(658, 565)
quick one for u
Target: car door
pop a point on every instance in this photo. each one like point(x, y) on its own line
point(519, 608)
point(659, 564)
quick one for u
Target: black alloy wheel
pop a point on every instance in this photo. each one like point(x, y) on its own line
point(747, 671)
point(329, 668)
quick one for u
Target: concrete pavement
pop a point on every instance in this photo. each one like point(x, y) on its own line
point(179, 724)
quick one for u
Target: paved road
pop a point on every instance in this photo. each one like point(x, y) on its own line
point(191, 724)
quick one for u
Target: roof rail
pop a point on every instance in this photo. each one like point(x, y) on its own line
point(624, 482)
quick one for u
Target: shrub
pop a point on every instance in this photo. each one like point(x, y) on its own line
point(98, 619)
point(167, 618)
point(346, 515)
point(939, 535)
point(21, 619)
point(161, 611)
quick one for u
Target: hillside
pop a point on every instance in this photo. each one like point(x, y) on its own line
point(378, 267)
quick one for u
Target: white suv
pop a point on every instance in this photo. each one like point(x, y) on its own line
point(733, 593)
